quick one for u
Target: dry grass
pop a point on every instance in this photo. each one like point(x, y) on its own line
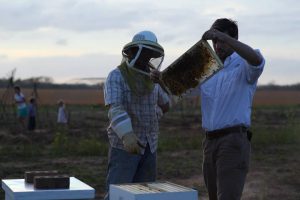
point(93, 96)
point(279, 97)
point(70, 96)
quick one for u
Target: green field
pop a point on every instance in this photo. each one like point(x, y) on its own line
point(81, 149)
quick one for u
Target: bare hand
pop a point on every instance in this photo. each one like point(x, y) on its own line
point(214, 34)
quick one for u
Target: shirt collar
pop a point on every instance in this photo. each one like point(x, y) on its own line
point(230, 58)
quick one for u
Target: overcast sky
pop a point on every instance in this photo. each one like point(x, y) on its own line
point(68, 39)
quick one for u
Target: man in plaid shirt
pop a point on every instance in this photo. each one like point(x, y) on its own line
point(135, 100)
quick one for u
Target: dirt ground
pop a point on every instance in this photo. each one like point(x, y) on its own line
point(274, 178)
point(271, 178)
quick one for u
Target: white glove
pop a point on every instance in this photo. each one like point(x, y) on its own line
point(159, 112)
point(132, 144)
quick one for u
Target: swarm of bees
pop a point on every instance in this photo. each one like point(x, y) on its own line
point(192, 68)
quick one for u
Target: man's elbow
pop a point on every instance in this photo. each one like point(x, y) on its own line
point(256, 60)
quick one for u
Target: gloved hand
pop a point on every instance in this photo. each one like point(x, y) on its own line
point(131, 143)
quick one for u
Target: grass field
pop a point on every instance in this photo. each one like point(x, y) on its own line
point(81, 149)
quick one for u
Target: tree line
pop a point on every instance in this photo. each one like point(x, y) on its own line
point(47, 83)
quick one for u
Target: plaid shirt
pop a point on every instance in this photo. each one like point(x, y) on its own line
point(141, 109)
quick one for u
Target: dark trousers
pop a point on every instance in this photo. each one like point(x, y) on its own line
point(124, 167)
point(31, 123)
point(225, 165)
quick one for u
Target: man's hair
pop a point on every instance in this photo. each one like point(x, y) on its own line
point(227, 25)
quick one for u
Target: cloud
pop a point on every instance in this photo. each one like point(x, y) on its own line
point(63, 67)
point(87, 15)
point(274, 24)
point(3, 56)
point(35, 28)
point(62, 42)
point(93, 15)
point(21, 15)
point(280, 71)
point(66, 14)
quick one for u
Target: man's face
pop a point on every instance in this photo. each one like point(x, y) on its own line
point(143, 61)
point(144, 58)
point(222, 49)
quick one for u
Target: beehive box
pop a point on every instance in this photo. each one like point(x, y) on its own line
point(151, 191)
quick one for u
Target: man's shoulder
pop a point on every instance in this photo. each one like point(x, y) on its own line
point(115, 72)
point(114, 76)
point(236, 60)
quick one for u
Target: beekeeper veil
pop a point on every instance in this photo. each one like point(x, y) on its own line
point(143, 53)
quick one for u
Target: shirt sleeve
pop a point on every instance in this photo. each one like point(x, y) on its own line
point(19, 98)
point(253, 72)
point(163, 97)
point(113, 88)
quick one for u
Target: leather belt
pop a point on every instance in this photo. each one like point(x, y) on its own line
point(224, 131)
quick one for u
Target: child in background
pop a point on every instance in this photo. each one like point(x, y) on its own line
point(21, 105)
point(62, 114)
point(32, 114)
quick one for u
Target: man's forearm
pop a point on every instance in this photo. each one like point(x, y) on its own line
point(244, 51)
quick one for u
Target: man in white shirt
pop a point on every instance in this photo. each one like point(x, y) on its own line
point(226, 102)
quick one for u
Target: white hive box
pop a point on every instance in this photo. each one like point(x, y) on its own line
point(18, 189)
point(151, 191)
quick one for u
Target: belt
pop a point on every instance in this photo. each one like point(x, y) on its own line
point(224, 131)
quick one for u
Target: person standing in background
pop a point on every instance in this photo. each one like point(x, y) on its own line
point(32, 114)
point(20, 101)
point(62, 113)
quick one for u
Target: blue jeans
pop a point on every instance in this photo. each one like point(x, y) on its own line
point(124, 167)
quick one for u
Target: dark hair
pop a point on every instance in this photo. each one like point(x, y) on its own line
point(17, 87)
point(32, 100)
point(226, 25)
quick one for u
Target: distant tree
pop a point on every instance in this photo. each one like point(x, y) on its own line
point(272, 86)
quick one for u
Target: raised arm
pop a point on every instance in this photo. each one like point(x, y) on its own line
point(245, 51)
